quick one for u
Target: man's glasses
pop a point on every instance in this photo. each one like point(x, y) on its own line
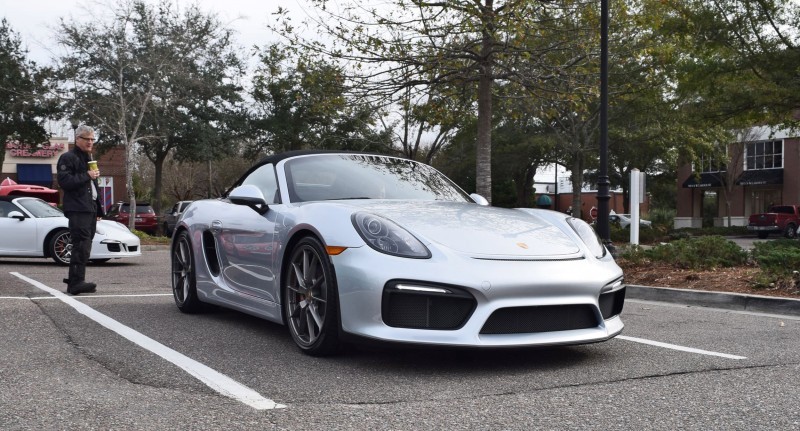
point(87, 139)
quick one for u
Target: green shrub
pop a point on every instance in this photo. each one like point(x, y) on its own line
point(662, 217)
point(148, 239)
point(692, 253)
point(687, 232)
point(779, 258)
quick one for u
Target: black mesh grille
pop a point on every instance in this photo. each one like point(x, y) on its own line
point(611, 303)
point(113, 247)
point(426, 311)
point(133, 248)
point(524, 320)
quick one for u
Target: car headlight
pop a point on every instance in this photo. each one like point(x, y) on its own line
point(388, 237)
point(588, 236)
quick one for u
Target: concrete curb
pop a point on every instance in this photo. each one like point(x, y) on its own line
point(727, 301)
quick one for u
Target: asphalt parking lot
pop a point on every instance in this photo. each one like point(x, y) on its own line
point(126, 358)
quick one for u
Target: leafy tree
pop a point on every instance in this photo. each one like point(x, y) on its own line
point(742, 59)
point(427, 46)
point(23, 108)
point(301, 102)
point(138, 70)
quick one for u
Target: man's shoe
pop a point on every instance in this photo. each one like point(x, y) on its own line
point(82, 287)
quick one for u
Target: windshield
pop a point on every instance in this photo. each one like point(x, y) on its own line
point(358, 176)
point(39, 208)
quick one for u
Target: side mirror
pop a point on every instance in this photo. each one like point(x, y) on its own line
point(249, 195)
point(478, 199)
point(17, 215)
point(174, 213)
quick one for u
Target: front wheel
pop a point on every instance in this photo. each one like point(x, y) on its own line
point(60, 247)
point(790, 231)
point(184, 280)
point(310, 299)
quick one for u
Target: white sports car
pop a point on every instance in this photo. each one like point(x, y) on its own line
point(33, 228)
point(357, 247)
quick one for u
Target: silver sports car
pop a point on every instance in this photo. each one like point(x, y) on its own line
point(347, 247)
point(31, 227)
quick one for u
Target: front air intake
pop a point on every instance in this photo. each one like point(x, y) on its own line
point(426, 307)
point(549, 318)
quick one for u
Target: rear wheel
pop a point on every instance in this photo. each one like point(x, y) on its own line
point(184, 280)
point(790, 231)
point(60, 247)
point(310, 304)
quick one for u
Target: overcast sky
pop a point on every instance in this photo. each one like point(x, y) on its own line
point(36, 20)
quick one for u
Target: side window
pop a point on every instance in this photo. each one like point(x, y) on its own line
point(264, 178)
point(6, 208)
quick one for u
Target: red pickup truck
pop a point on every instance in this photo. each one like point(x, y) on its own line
point(778, 219)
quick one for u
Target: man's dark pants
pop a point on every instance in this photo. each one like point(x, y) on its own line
point(81, 229)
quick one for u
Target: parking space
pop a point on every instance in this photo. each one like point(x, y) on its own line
point(667, 353)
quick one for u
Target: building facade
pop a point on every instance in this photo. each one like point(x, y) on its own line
point(758, 172)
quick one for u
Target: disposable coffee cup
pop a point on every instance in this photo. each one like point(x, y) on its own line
point(92, 165)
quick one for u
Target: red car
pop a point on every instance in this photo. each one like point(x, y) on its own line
point(145, 221)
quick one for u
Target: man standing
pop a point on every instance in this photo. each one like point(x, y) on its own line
point(82, 206)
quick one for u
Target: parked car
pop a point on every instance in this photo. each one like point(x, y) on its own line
point(624, 221)
point(783, 219)
point(171, 217)
point(32, 227)
point(145, 218)
point(353, 246)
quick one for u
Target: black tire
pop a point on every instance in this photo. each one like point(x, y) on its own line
point(184, 279)
point(310, 302)
point(60, 247)
point(763, 235)
point(790, 231)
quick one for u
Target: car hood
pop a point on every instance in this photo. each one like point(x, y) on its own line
point(479, 231)
point(114, 229)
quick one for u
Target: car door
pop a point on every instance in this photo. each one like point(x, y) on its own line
point(247, 241)
point(19, 237)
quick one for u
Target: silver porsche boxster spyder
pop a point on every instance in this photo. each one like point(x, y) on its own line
point(344, 247)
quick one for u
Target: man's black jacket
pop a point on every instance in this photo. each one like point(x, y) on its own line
point(73, 178)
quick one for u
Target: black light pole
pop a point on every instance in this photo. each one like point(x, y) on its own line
point(74, 123)
point(603, 195)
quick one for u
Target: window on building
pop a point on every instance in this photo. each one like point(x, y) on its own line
point(711, 164)
point(764, 155)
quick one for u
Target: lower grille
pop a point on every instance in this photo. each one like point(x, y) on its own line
point(418, 310)
point(549, 318)
point(611, 303)
point(114, 247)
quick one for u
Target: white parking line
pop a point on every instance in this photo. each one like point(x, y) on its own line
point(677, 347)
point(212, 378)
point(135, 295)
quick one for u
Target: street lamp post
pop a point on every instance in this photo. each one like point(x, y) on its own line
point(74, 123)
point(603, 195)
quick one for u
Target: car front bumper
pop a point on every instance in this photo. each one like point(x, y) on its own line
point(363, 274)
